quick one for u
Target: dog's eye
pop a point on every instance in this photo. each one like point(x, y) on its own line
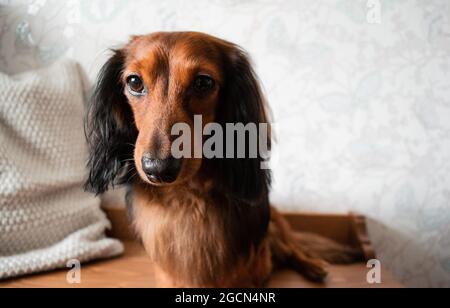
point(203, 84)
point(135, 85)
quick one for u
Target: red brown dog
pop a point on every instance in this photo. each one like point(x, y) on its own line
point(204, 222)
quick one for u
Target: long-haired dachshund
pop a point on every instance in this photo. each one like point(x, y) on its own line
point(204, 222)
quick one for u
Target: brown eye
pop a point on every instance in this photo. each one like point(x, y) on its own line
point(135, 85)
point(203, 84)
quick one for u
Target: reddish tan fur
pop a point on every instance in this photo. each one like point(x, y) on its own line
point(183, 226)
point(183, 233)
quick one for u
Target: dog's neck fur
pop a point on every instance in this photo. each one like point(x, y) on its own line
point(191, 230)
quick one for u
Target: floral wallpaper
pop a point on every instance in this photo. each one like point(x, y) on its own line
point(360, 92)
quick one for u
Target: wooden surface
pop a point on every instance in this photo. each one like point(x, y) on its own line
point(133, 270)
point(346, 229)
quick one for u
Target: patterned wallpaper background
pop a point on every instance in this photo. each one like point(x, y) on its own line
point(360, 91)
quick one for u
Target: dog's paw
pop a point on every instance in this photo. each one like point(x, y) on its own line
point(313, 269)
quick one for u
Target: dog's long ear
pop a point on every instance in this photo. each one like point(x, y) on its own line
point(109, 128)
point(242, 101)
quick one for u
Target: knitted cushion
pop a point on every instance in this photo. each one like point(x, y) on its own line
point(45, 217)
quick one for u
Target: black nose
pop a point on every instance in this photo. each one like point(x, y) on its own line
point(161, 170)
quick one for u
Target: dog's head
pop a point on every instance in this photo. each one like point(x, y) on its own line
point(164, 79)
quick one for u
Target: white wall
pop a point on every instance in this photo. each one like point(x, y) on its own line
point(363, 110)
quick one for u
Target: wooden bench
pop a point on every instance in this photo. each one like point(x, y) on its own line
point(133, 269)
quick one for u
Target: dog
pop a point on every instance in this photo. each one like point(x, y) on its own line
point(203, 222)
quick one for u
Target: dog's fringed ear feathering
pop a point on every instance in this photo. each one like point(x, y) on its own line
point(243, 102)
point(110, 131)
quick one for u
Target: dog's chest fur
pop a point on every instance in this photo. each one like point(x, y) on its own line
point(191, 235)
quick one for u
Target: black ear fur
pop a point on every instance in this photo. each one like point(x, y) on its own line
point(109, 129)
point(243, 102)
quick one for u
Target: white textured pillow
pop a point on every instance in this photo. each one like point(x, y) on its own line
point(45, 217)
